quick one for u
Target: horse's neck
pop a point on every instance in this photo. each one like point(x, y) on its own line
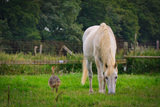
point(108, 49)
point(108, 57)
point(111, 59)
point(105, 44)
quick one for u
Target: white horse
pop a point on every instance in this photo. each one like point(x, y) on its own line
point(99, 44)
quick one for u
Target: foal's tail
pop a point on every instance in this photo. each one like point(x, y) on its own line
point(85, 72)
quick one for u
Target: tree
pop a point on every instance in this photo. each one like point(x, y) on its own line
point(118, 14)
point(21, 17)
point(18, 20)
point(92, 13)
point(121, 16)
point(4, 30)
point(60, 16)
point(148, 18)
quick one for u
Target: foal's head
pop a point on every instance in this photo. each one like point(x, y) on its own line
point(110, 77)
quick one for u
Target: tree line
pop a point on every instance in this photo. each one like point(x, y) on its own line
point(66, 20)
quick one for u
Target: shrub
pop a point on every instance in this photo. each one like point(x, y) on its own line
point(136, 65)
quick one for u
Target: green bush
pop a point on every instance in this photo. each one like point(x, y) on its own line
point(143, 65)
point(43, 69)
point(133, 65)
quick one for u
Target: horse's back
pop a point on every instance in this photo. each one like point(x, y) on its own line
point(88, 41)
point(94, 37)
point(89, 32)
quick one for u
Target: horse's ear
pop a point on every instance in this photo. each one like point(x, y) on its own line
point(115, 65)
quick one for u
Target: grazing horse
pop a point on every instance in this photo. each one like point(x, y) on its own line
point(99, 44)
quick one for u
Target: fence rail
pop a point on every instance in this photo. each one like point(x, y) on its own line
point(42, 62)
point(146, 57)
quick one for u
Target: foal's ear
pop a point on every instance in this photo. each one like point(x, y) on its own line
point(115, 65)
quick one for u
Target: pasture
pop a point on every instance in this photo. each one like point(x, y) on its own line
point(33, 91)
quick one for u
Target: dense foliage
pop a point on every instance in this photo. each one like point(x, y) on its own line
point(126, 17)
point(59, 17)
point(66, 20)
point(18, 19)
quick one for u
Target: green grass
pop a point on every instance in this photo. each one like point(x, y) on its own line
point(33, 91)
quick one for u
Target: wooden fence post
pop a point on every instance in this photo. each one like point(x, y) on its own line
point(40, 50)
point(135, 41)
point(157, 44)
point(8, 95)
point(125, 47)
point(66, 49)
point(35, 50)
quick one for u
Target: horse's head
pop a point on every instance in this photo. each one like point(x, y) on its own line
point(110, 77)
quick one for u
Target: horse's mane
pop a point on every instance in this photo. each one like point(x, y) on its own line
point(106, 49)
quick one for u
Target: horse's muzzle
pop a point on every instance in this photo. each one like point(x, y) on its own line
point(111, 93)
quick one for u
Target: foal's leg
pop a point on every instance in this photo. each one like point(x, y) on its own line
point(100, 74)
point(90, 75)
point(53, 90)
point(56, 90)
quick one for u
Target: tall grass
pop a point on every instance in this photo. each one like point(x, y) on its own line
point(29, 57)
point(144, 52)
point(133, 65)
point(37, 69)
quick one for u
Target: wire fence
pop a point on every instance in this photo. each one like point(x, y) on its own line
point(56, 47)
point(48, 46)
point(22, 56)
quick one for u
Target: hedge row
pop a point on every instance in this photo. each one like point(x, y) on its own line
point(135, 66)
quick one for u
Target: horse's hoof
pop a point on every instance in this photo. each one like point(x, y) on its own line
point(90, 91)
point(101, 91)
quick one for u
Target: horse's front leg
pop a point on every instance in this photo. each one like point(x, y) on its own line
point(100, 74)
point(104, 85)
point(90, 75)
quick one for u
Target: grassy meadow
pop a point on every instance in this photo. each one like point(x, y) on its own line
point(33, 91)
point(29, 83)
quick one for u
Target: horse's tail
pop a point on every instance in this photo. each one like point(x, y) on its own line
point(85, 72)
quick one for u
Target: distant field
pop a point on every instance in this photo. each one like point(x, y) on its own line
point(33, 91)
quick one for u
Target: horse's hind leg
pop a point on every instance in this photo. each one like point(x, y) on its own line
point(90, 75)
